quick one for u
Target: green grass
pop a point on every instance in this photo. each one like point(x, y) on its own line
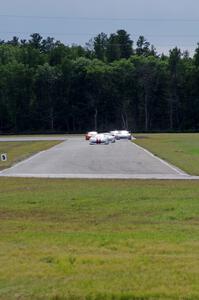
point(181, 150)
point(17, 151)
point(114, 239)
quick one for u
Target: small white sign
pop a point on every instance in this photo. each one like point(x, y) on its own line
point(4, 157)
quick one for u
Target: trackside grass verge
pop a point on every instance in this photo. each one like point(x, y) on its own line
point(18, 151)
point(99, 239)
point(182, 150)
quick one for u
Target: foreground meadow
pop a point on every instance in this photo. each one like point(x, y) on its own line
point(180, 149)
point(114, 239)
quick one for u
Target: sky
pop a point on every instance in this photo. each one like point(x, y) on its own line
point(164, 23)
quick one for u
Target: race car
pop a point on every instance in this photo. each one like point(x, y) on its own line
point(90, 134)
point(114, 132)
point(123, 134)
point(111, 137)
point(99, 139)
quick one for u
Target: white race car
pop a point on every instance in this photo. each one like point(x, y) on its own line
point(123, 134)
point(110, 137)
point(114, 132)
point(99, 139)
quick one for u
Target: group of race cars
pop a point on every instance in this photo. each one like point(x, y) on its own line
point(106, 138)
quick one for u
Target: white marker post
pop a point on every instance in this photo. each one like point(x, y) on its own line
point(4, 157)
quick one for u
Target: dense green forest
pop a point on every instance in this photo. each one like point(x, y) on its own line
point(112, 82)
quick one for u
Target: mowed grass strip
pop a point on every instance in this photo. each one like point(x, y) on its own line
point(181, 150)
point(18, 151)
point(97, 239)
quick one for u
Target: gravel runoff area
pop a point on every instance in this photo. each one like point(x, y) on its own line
point(75, 158)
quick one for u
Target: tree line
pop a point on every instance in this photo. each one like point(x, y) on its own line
point(112, 82)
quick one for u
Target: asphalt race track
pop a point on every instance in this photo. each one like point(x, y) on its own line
point(75, 158)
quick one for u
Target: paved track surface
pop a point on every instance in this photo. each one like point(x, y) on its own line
point(75, 158)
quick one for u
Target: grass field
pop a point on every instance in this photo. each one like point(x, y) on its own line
point(17, 151)
point(181, 150)
point(81, 239)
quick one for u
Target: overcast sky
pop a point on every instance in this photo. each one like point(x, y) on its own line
point(165, 23)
